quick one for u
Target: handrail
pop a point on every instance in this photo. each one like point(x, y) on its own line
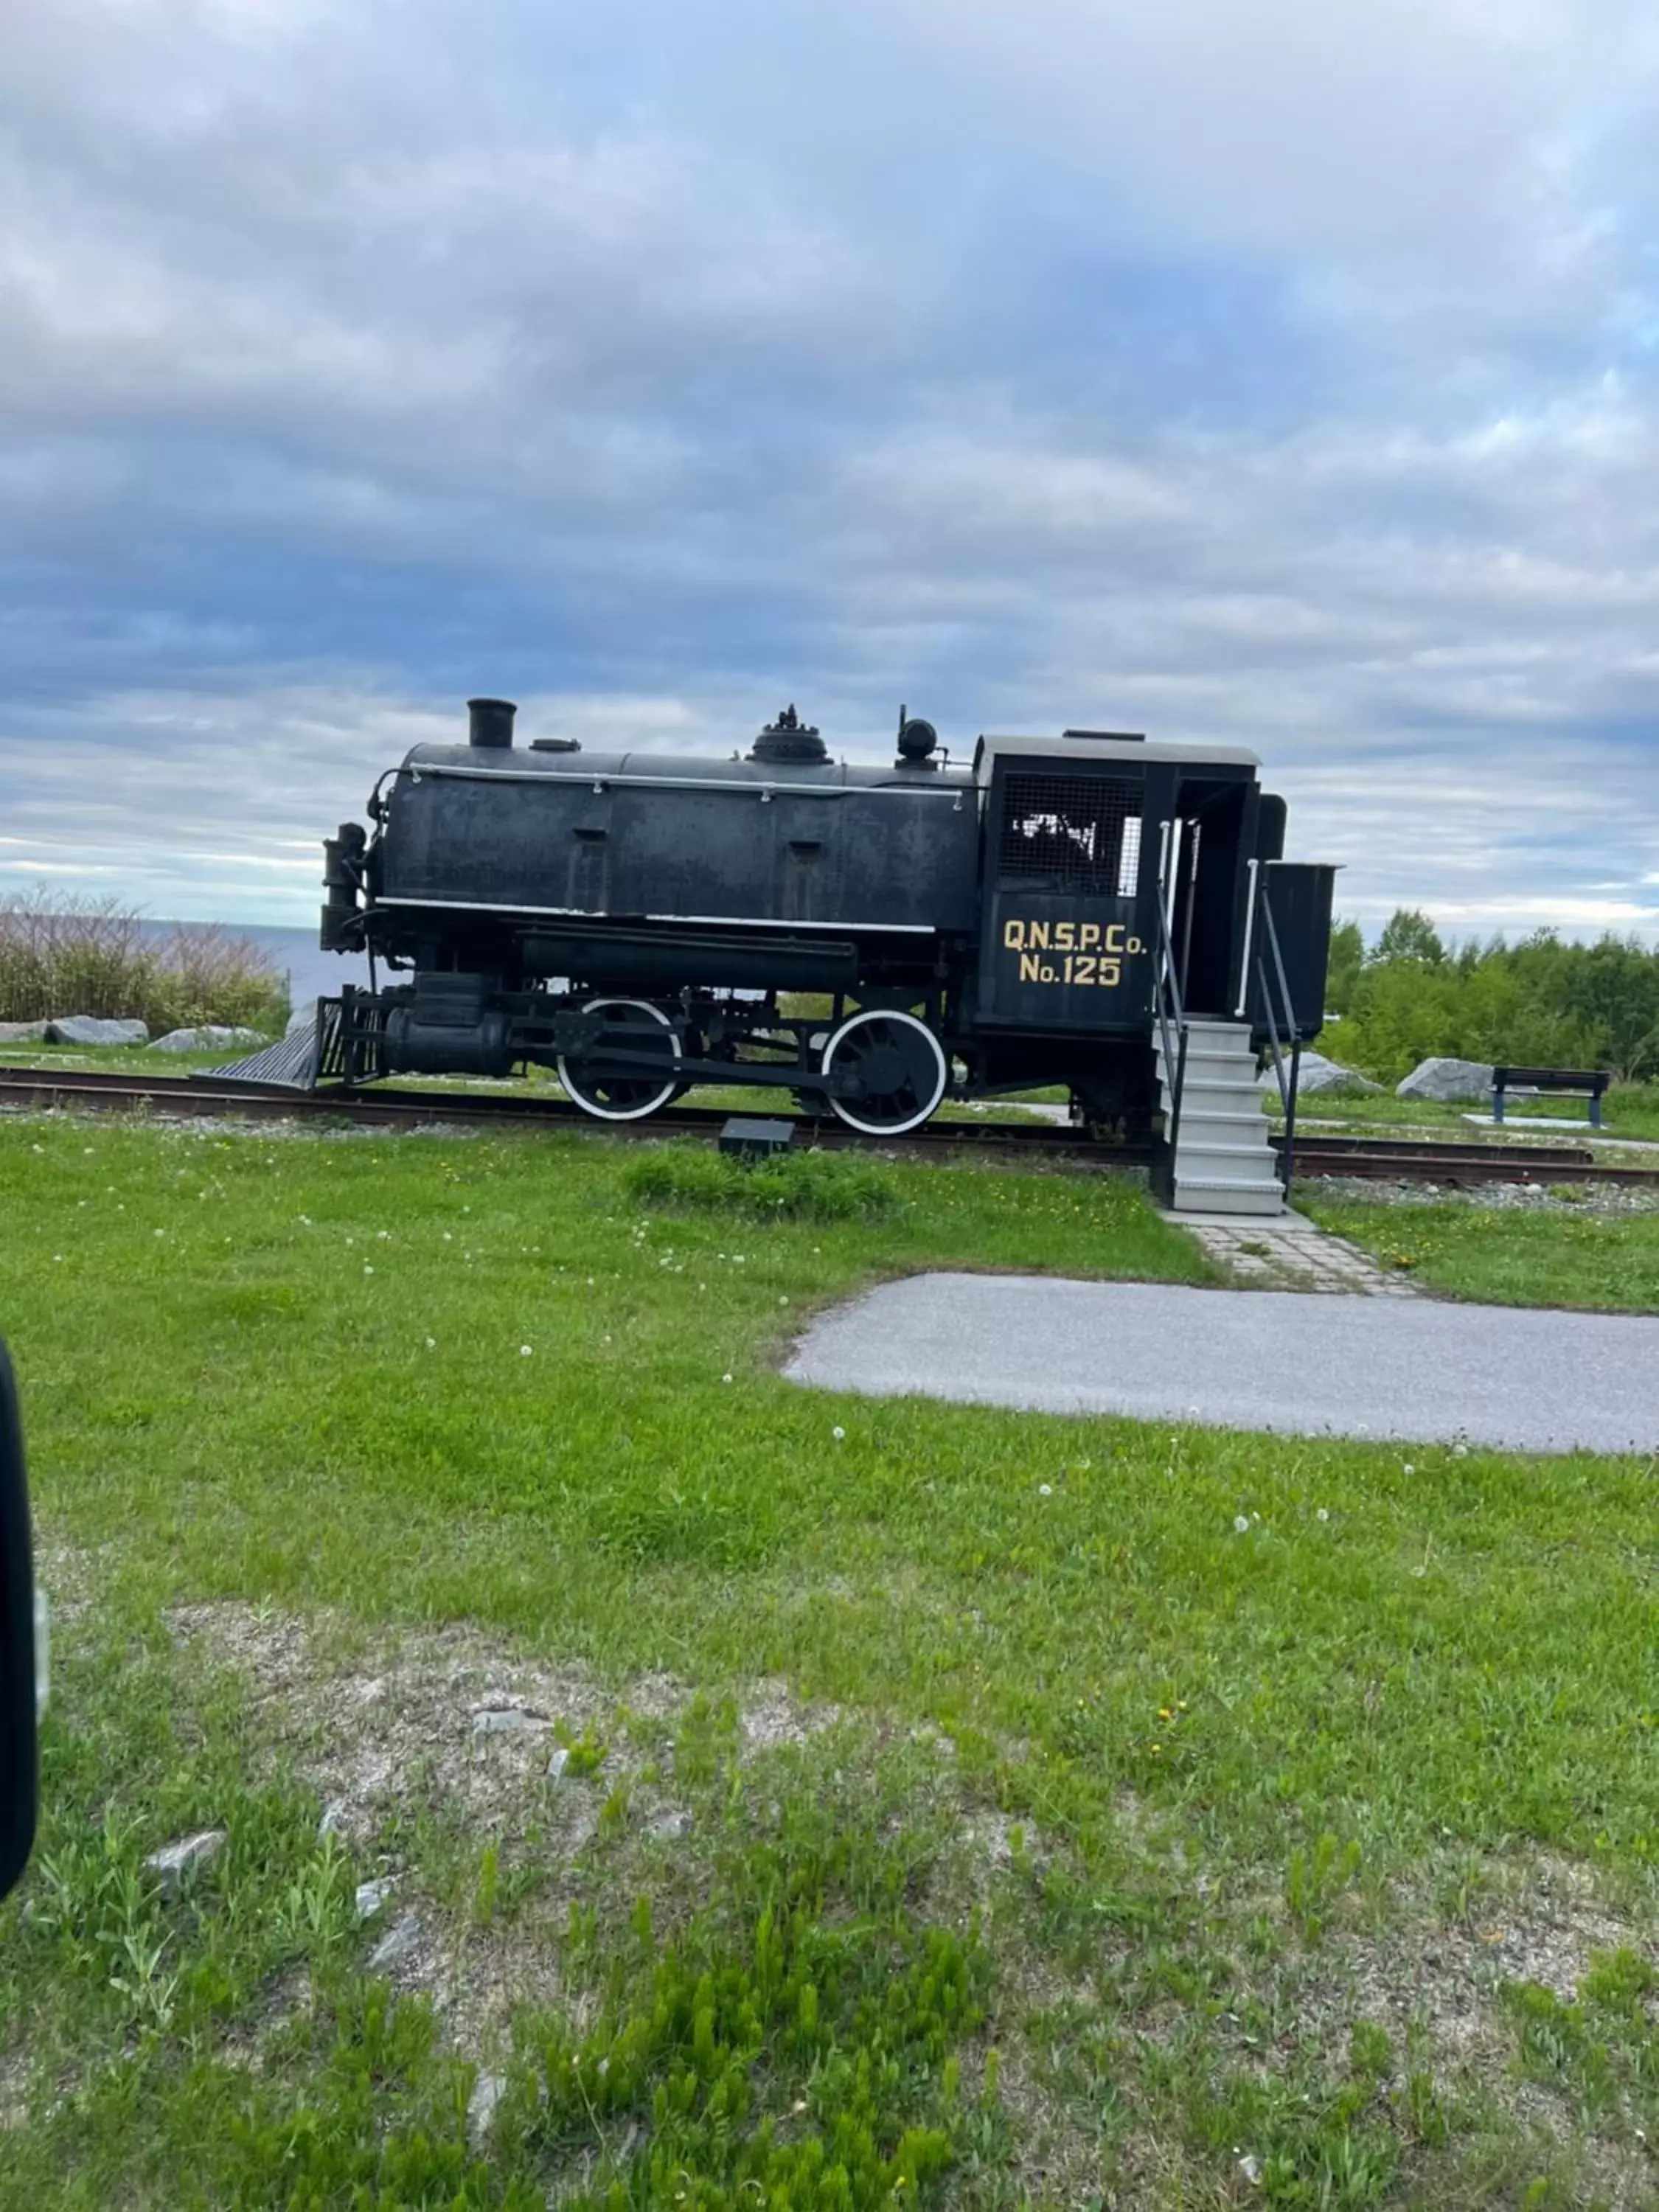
point(1287, 1084)
point(1166, 993)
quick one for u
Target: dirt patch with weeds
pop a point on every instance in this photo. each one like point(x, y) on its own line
point(455, 1726)
point(1537, 1919)
point(455, 1720)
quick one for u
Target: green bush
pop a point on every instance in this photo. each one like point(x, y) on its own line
point(793, 1186)
point(1539, 1003)
point(62, 957)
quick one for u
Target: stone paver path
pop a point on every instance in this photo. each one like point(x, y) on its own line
point(1288, 1252)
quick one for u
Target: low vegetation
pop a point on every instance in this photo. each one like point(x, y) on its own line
point(66, 956)
point(906, 1802)
point(1569, 1253)
point(792, 1186)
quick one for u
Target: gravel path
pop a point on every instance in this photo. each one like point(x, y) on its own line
point(1302, 1363)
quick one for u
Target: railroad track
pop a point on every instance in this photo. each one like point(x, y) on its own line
point(186, 1098)
point(1372, 1159)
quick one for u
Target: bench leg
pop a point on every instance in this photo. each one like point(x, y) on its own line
point(1595, 1111)
point(1497, 1105)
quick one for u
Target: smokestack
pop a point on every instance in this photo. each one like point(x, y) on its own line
point(490, 723)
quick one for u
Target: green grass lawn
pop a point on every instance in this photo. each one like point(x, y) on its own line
point(952, 1806)
point(1507, 1256)
point(1629, 1109)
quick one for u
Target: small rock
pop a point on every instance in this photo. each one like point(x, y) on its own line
point(1320, 1078)
point(509, 1720)
point(557, 1764)
point(400, 1943)
point(1250, 2167)
point(372, 1895)
point(334, 1814)
point(207, 1038)
point(1452, 1082)
point(178, 1862)
point(22, 1032)
point(670, 1825)
point(89, 1029)
point(481, 2107)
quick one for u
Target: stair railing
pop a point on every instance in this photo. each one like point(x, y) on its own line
point(1167, 1007)
point(1276, 1004)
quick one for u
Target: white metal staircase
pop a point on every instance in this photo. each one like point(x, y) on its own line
point(1223, 1161)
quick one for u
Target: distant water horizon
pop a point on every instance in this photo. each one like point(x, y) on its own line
point(311, 972)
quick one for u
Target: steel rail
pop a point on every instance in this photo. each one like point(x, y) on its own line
point(188, 1097)
point(1373, 1160)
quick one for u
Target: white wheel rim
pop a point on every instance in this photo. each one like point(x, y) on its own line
point(601, 1112)
point(848, 1113)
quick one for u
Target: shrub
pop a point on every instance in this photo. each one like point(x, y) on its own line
point(95, 957)
point(1539, 1003)
point(793, 1186)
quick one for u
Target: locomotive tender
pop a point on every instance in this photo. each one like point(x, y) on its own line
point(640, 921)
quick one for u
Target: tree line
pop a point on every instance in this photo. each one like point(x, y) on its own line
point(1540, 1003)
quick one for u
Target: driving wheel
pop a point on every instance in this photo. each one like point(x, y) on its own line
point(898, 1071)
point(627, 1097)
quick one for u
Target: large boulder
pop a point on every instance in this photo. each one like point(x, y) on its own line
point(88, 1029)
point(1450, 1082)
point(1321, 1078)
point(22, 1032)
point(211, 1037)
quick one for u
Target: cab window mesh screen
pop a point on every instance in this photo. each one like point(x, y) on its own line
point(1077, 833)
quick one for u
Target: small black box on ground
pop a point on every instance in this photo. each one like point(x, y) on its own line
point(756, 1140)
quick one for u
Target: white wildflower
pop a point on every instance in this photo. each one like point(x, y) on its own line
point(783, 1301)
point(367, 1270)
point(726, 1378)
point(1460, 1451)
point(432, 1344)
point(1241, 1524)
point(1045, 1490)
point(524, 1352)
point(1408, 1468)
point(839, 1433)
point(1323, 1513)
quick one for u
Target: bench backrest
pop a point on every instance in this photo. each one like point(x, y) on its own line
point(1594, 1080)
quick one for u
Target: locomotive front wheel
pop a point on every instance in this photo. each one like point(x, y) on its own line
point(899, 1071)
point(627, 1097)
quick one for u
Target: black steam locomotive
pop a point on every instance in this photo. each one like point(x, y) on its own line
point(643, 922)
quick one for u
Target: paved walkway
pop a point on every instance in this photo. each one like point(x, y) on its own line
point(1307, 1365)
point(1288, 1252)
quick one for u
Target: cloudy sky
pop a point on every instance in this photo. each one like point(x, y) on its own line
point(1282, 375)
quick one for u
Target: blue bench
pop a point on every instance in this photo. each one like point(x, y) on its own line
point(1574, 1082)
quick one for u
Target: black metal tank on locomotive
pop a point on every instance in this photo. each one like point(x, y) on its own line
point(643, 922)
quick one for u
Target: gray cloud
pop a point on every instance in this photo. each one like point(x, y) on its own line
point(1289, 381)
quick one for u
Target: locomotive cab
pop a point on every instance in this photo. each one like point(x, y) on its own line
point(1099, 851)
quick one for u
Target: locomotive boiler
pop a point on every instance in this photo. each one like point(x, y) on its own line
point(874, 938)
